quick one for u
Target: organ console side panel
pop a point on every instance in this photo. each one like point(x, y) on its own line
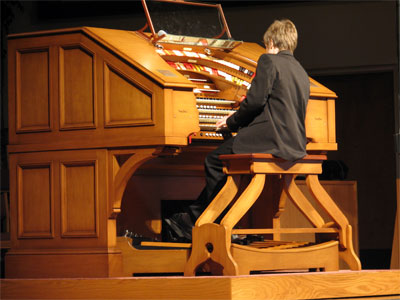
point(71, 88)
point(73, 100)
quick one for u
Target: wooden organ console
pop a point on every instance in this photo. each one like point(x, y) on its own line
point(87, 108)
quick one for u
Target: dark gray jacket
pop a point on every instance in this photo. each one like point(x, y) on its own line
point(271, 118)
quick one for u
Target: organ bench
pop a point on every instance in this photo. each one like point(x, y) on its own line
point(212, 241)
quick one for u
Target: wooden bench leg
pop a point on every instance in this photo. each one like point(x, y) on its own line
point(220, 202)
point(348, 254)
point(301, 201)
point(245, 201)
point(345, 234)
point(211, 242)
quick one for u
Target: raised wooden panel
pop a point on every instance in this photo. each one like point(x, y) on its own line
point(35, 201)
point(77, 88)
point(32, 90)
point(331, 121)
point(127, 103)
point(317, 120)
point(79, 199)
point(184, 111)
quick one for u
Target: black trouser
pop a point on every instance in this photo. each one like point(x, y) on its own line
point(215, 178)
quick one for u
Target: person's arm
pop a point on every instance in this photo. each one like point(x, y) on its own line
point(257, 96)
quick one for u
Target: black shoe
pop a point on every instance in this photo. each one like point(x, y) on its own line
point(246, 239)
point(179, 227)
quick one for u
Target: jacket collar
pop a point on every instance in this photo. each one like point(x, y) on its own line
point(285, 52)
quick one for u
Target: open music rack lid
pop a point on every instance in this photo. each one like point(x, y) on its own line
point(187, 23)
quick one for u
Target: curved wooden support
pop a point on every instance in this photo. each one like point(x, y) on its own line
point(294, 193)
point(220, 202)
point(330, 207)
point(348, 254)
point(321, 256)
point(123, 174)
point(211, 242)
point(245, 201)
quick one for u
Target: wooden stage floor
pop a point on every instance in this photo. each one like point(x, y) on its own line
point(371, 284)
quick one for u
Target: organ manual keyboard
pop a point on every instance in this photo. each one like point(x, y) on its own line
point(94, 112)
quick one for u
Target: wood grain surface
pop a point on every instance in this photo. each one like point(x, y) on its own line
point(324, 285)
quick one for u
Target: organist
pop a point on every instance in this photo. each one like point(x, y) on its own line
point(271, 119)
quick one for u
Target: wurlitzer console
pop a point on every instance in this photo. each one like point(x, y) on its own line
point(102, 122)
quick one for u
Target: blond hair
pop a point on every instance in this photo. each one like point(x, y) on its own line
point(283, 34)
